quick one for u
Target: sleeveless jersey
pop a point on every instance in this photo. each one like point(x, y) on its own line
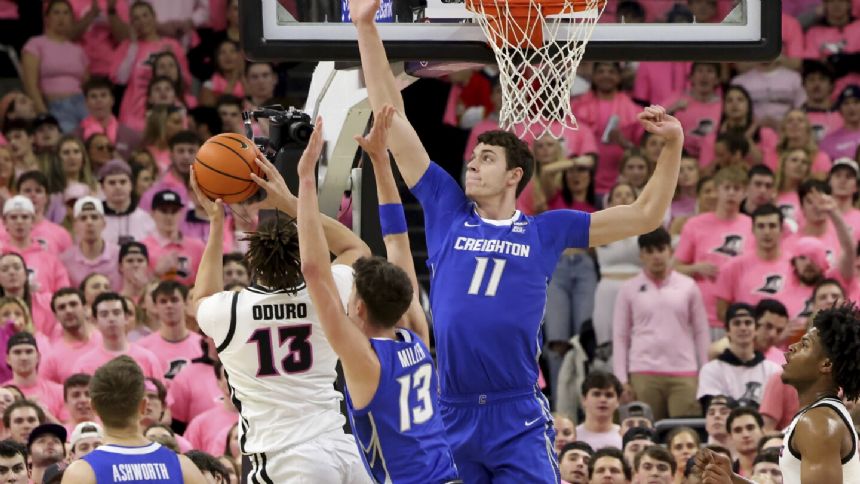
point(488, 286)
point(789, 460)
point(150, 464)
point(400, 433)
point(280, 367)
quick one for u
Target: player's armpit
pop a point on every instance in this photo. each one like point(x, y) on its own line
point(79, 472)
point(818, 438)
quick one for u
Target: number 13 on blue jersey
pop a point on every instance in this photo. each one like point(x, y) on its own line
point(420, 382)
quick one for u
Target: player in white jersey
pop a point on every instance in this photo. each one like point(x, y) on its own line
point(820, 444)
point(279, 365)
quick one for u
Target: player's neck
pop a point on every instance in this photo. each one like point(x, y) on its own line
point(814, 391)
point(374, 332)
point(496, 208)
point(130, 436)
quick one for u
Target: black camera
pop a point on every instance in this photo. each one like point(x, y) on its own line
point(287, 127)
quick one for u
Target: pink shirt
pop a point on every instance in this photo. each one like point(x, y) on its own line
point(193, 391)
point(91, 126)
point(93, 359)
point(829, 238)
point(43, 317)
point(54, 238)
point(80, 267)
point(659, 328)
point(789, 204)
point(135, 225)
point(775, 355)
point(43, 266)
point(218, 85)
point(699, 119)
point(792, 36)
point(98, 42)
point(599, 440)
point(820, 164)
point(824, 122)
point(822, 41)
point(709, 239)
point(208, 431)
point(797, 298)
point(750, 279)
point(8, 9)
point(172, 355)
point(62, 65)
point(659, 80)
point(780, 401)
point(841, 143)
point(594, 114)
point(47, 394)
point(57, 365)
point(168, 181)
point(773, 92)
point(199, 229)
point(189, 250)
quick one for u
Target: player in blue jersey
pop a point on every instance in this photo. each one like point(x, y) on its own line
point(490, 267)
point(117, 394)
point(390, 381)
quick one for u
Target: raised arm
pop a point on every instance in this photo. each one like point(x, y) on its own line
point(344, 244)
point(360, 364)
point(210, 273)
point(409, 153)
point(647, 212)
point(391, 216)
point(826, 204)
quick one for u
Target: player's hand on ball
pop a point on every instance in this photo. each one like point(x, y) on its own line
point(277, 192)
point(214, 209)
point(375, 143)
point(309, 159)
point(657, 121)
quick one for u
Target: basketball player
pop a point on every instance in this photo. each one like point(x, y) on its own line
point(117, 394)
point(391, 385)
point(490, 267)
point(820, 443)
point(278, 363)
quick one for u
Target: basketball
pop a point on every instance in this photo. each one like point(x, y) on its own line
point(223, 167)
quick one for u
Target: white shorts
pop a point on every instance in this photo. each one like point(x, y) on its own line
point(329, 458)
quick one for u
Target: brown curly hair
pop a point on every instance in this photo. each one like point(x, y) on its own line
point(273, 254)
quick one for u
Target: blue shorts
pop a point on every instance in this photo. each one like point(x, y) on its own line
point(501, 438)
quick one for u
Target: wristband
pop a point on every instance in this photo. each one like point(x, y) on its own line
point(392, 219)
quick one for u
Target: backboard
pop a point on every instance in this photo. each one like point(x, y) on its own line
point(444, 30)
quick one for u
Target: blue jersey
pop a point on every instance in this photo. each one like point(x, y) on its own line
point(488, 286)
point(400, 433)
point(150, 464)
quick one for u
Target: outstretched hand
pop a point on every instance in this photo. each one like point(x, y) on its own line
point(277, 192)
point(309, 159)
point(363, 11)
point(214, 208)
point(375, 143)
point(656, 121)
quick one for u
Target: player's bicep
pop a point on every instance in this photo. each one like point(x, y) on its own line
point(79, 472)
point(818, 439)
point(616, 223)
point(409, 153)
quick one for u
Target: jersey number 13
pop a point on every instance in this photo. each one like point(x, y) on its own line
point(299, 357)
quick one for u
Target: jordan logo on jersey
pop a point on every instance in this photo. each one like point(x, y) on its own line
point(772, 284)
point(732, 245)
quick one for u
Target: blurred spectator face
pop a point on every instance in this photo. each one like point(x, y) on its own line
point(46, 136)
point(742, 330)
point(260, 82)
point(843, 183)
point(811, 211)
point(769, 328)
point(59, 19)
point(806, 270)
point(89, 225)
point(688, 176)
point(826, 296)
point(704, 78)
point(182, 155)
point(767, 470)
point(100, 102)
point(767, 231)
point(111, 320)
point(70, 312)
point(97, 284)
point(653, 146)
point(6, 398)
point(79, 405)
point(850, 110)
point(145, 179)
point(795, 125)
point(13, 313)
point(162, 93)
point(579, 177)
point(745, 434)
point(565, 432)
point(606, 77)
point(622, 195)
point(653, 471)
point(655, 261)
point(722, 155)
point(837, 12)
point(37, 194)
point(235, 273)
point(47, 449)
point(71, 157)
point(175, 122)
point(85, 446)
point(797, 165)
point(117, 189)
point(166, 66)
point(231, 118)
point(600, 402)
point(634, 447)
point(19, 225)
point(22, 421)
point(143, 21)
point(703, 10)
point(608, 470)
point(154, 408)
point(167, 219)
point(13, 470)
point(22, 108)
point(23, 359)
point(101, 150)
point(715, 420)
point(818, 87)
point(229, 58)
point(735, 105)
point(761, 190)
point(21, 143)
point(547, 150)
point(233, 13)
point(635, 171)
point(632, 422)
point(13, 276)
point(574, 466)
point(132, 264)
point(730, 195)
point(682, 447)
point(233, 439)
point(170, 308)
point(7, 164)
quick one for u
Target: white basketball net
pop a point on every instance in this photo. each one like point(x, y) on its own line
point(536, 80)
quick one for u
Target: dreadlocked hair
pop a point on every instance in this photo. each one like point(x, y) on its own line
point(273, 254)
point(839, 332)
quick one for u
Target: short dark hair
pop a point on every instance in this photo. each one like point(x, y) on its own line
point(600, 380)
point(766, 210)
point(34, 176)
point(9, 449)
point(97, 82)
point(250, 64)
point(656, 452)
point(208, 463)
point(110, 296)
point(767, 455)
point(66, 291)
point(735, 143)
point(713, 65)
point(229, 100)
point(657, 239)
point(769, 306)
point(740, 412)
point(184, 138)
point(576, 445)
point(7, 414)
point(384, 288)
point(76, 380)
point(817, 67)
point(235, 257)
point(613, 453)
point(205, 115)
point(763, 440)
point(827, 282)
point(630, 9)
point(810, 184)
point(701, 183)
point(141, 3)
point(761, 170)
point(839, 331)
point(517, 153)
point(116, 391)
point(273, 254)
point(17, 125)
point(168, 288)
point(160, 389)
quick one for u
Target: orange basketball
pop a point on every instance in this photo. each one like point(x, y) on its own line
point(224, 165)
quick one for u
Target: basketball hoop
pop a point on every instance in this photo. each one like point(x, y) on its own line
point(538, 45)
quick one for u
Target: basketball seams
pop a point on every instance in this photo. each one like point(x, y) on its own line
point(224, 173)
point(216, 142)
point(253, 167)
point(221, 174)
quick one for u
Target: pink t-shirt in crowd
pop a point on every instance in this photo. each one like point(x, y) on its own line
point(706, 238)
point(172, 355)
point(193, 391)
point(92, 360)
point(189, 251)
point(43, 317)
point(57, 365)
point(218, 84)
point(792, 37)
point(199, 229)
point(52, 237)
point(797, 298)
point(699, 119)
point(829, 238)
point(659, 80)
point(775, 355)
point(789, 204)
point(598, 441)
point(780, 401)
point(842, 142)
point(62, 65)
point(8, 9)
point(98, 42)
point(44, 267)
point(168, 181)
point(750, 279)
point(820, 164)
point(48, 394)
point(208, 431)
point(594, 114)
point(824, 122)
point(80, 267)
point(136, 225)
point(773, 92)
point(821, 41)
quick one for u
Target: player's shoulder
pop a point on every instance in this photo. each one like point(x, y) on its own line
point(79, 472)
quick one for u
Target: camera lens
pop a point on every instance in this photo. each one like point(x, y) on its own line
point(301, 131)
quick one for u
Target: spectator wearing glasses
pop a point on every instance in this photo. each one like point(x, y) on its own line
point(100, 150)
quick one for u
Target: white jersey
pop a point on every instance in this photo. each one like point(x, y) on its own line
point(789, 459)
point(279, 364)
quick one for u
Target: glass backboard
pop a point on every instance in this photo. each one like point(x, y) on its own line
point(319, 30)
